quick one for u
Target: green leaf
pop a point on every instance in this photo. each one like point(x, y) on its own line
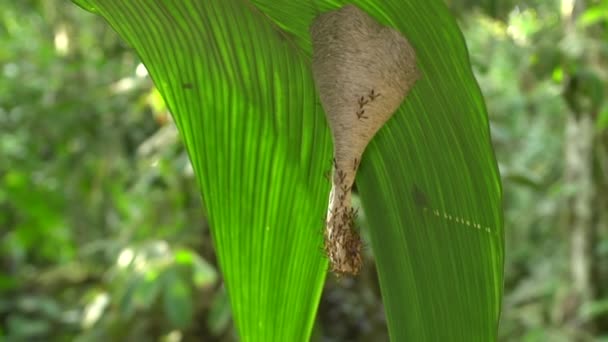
point(177, 300)
point(147, 290)
point(204, 275)
point(243, 99)
point(236, 76)
point(219, 313)
point(594, 14)
point(430, 186)
point(601, 123)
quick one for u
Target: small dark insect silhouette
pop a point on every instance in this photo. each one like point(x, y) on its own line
point(345, 189)
point(355, 164)
point(187, 85)
point(372, 95)
point(419, 197)
point(354, 213)
point(341, 176)
point(362, 102)
point(361, 114)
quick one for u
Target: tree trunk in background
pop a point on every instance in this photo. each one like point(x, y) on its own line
point(600, 269)
point(579, 182)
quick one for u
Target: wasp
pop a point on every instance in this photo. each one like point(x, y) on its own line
point(362, 102)
point(361, 114)
point(372, 95)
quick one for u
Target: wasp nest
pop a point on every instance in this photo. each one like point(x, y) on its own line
point(363, 71)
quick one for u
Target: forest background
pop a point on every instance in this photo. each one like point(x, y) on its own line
point(93, 176)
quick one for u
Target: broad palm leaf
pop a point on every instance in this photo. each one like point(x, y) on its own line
point(237, 77)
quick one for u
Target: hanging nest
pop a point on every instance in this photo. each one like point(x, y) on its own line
point(363, 71)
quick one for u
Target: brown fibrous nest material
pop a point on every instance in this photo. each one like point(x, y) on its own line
point(363, 71)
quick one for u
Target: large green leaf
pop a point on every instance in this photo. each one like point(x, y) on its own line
point(429, 184)
point(236, 76)
point(244, 102)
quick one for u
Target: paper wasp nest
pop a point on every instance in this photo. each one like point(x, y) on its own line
point(363, 71)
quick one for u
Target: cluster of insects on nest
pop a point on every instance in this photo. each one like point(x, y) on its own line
point(362, 101)
point(342, 218)
point(349, 238)
point(350, 82)
point(344, 236)
point(341, 175)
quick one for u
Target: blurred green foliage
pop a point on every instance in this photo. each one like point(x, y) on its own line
point(102, 235)
point(526, 64)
